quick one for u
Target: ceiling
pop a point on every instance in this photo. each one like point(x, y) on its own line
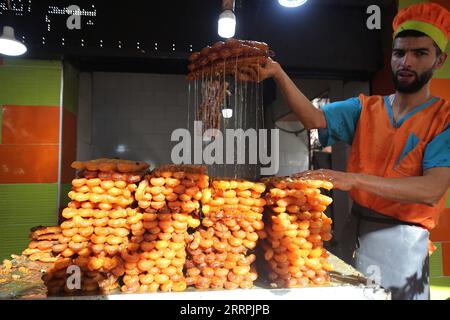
point(322, 37)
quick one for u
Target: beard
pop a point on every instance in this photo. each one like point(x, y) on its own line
point(414, 86)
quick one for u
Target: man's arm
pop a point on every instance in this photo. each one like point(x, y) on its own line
point(427, 189)
point(308, 115)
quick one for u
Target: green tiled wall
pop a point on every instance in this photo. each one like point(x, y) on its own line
point(441, 282)
point(436, 262)
point(405, 3)
point(65, 188)
point(440, 288)
point(23, 206)
point(444, 73)
point(31, 82)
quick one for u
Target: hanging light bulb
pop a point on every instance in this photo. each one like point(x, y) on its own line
point(227, 24)
point(121, 148)
point(292, 3)
point(227, 113)
point(9, 45)
point(227, 20)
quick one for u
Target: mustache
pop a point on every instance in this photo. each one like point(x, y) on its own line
point(406, 70)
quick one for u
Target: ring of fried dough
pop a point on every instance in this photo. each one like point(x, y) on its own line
point(40, 230)
point(104, 164)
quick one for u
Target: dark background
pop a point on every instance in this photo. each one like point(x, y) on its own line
point(323, 38)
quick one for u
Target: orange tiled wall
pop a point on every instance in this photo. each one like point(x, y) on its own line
point(440, 272)
point(30, 143)
point(441, 87)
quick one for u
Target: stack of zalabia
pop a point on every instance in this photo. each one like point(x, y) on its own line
point(106, 182)
point(172, 189)
point(57, 279)
point(154, 261)
point(227, 57)
point(219, 251)
point(129, 252)
point(98, 212)
point(159, 261)
point(296, 228)
point(183, 232)
point(170, 197)
point(99, 222)
point(44, 245)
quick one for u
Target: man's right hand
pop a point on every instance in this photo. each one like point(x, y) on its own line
point(260, 72)
point(306, 112)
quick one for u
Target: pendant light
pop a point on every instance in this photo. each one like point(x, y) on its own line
point(9, 45)
point(227, 20)
point(292, 3)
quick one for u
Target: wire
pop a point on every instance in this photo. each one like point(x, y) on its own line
point(296, 132)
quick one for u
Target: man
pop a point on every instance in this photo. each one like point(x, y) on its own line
point(399, 166)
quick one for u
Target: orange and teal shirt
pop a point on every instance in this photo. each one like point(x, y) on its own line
point(385, 148)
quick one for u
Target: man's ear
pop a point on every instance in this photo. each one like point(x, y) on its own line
point(441, 60)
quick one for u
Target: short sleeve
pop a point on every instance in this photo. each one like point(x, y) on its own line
point(437, 152)
point(342, 118)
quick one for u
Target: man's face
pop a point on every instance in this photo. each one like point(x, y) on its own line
point(413, 63)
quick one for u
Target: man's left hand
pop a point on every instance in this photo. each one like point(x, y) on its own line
point(344, 181)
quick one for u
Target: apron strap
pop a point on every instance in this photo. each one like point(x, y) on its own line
point(366, 214)
point(363, 213)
